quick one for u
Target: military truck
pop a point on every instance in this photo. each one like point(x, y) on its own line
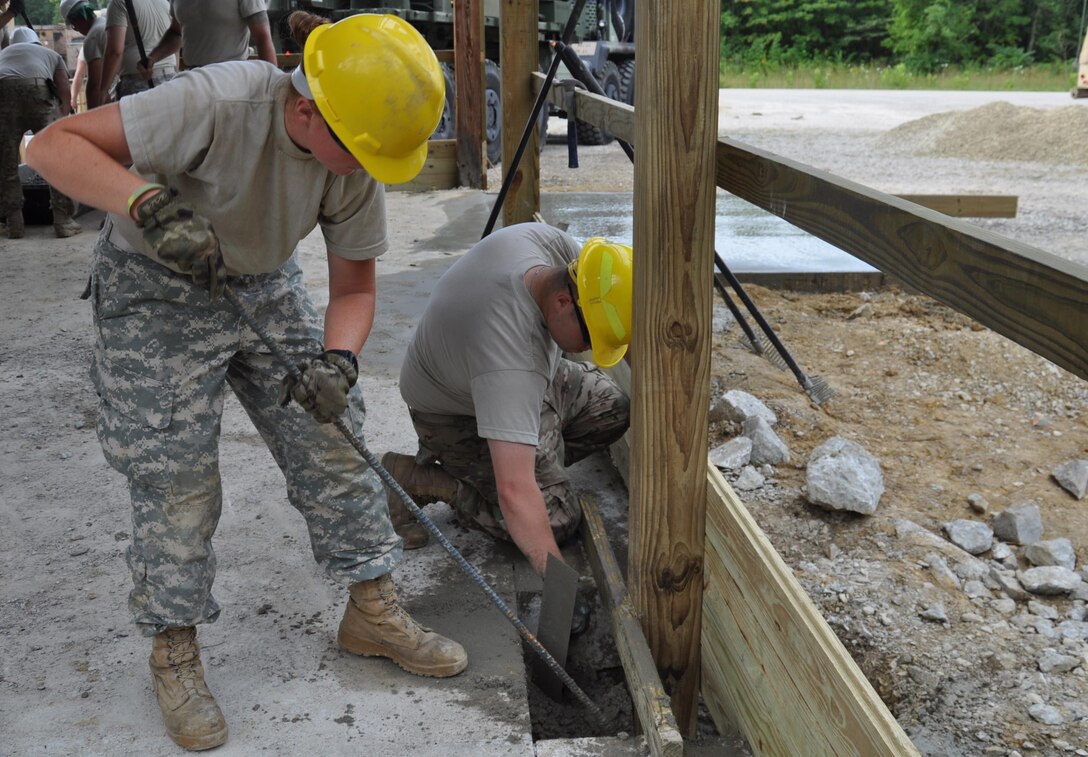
point(603, 38)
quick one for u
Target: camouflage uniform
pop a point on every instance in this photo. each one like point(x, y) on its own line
point(130, 84)
point(25, 105)
point(583, 411)
point(164, 357)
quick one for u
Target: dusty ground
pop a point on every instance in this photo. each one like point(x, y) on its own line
point(949, 409)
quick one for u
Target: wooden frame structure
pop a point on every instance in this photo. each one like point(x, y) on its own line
point(770, 664)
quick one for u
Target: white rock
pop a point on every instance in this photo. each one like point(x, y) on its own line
point(736, 405)
point(732, 455)
point(1048, 580)
point(1052, 552)
point(978, 503)
point(1020, 524)
point(1073, 477)
point(1042, 609)
point(1051, 661)
point(842, 475)
point(748, 480)
point(1073, 630)
point(935, 614)
point(1046, 714)
point(766, 446)
point(970, 535)
point(1001, 551)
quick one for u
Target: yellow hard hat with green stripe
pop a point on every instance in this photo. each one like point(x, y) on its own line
point(379, 86)
point(602, 274)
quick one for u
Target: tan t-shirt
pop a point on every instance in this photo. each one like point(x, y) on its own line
point(94, 44)
point(481, 348)
point(25, 60)
point(216, 134)
point(213, 31)
point(153, 18)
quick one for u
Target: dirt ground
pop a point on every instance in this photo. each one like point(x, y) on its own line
point(949, 408)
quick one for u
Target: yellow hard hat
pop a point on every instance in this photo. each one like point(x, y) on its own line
point(602, 274)
point(379, 86)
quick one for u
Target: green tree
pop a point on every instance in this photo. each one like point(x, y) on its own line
point(42, 12)
point(926, 35)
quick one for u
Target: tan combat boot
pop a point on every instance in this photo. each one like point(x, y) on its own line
point(15, 225)
point(374, 625)
point(426, 484)
point(65, 227)
point(192, 718)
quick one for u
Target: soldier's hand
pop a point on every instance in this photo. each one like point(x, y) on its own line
point(322, 388)
point(180, 235)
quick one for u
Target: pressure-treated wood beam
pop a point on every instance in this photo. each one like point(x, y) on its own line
point(648, 695)
point(439, 172)
point(1033, 297)
point(519, 55)
point(468, 72)
point(673, 243)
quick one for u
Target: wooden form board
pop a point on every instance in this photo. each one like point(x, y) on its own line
point(1030, 296)
point(439, 172)
point(771, 665)
point(649, 697)
point(967, 206)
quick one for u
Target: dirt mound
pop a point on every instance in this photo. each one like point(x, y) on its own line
point(997, 131)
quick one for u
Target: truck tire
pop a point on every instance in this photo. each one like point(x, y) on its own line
point(447, 125)
point(627, 81)
point(609, 77)
point(493, 111)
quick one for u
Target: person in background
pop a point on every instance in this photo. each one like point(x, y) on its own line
point(498, 410)
point(214, 31)
point(231, 166)
point(80, 15)
point(122, 54)
point(34, 93)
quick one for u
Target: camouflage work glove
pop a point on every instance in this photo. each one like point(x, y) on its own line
point(322, 389)
point(179, 235)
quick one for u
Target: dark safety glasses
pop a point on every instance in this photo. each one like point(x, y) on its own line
point(336, 139)
point(578, 313)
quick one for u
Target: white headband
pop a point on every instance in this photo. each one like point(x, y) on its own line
point(298, 81)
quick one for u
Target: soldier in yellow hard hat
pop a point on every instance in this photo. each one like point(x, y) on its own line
point(232, 164)
point(499, 411)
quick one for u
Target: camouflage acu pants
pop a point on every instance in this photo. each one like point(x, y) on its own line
point(130, 84)
point(24, 106)
point(164, 358)
point(583, 411)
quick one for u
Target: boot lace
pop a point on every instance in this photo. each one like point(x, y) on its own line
point(183, 655)
point(395, 613)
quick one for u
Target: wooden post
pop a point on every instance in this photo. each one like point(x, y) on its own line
point(468, 71)
point(676, 110)
point(518, 31)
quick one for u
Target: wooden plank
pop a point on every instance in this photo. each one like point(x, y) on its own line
point(468, 72)
point(518, 35)
point(617, 118)
point(813, 281)
point(771, 662)
point(772, 667)
point(674, 241)
point(648, 695)
point(967, 206)
point(439, 172)
point(1030, 296)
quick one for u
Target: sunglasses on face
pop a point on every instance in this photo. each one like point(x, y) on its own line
point(578, 313)
point(336, 139)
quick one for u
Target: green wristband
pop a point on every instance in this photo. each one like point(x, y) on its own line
point(140, 192)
